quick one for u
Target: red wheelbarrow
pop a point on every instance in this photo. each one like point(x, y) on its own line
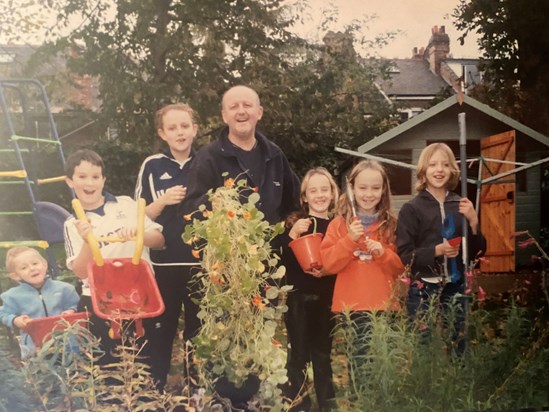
point(40, 329)
point(122, 289)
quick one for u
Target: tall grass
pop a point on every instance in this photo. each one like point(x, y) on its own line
point(403, 367)
point(65, 376)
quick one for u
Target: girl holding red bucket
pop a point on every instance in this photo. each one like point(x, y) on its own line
point(309, 321)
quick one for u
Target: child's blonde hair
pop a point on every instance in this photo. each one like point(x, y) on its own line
point(333, 185)
point(423, 163)
point(159, 115)
point(387, 227)
point(15, 251)
point(302, 214)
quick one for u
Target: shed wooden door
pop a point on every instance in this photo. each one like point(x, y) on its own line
point(497, 203)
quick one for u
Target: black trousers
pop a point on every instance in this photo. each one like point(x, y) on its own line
point(178, 291)
point(309, 322)
point(99, 328)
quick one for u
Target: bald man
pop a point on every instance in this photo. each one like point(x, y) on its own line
point(244, 152)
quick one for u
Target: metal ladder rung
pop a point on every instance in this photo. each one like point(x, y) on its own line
point(12, 213)
point(14, 173)
point(35, 139)
point(30, 243)
point(13, 150)
point(12, 145)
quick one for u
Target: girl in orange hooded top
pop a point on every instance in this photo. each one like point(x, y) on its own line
point(359, 244)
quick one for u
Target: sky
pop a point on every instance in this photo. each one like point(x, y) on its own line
point(415, 18)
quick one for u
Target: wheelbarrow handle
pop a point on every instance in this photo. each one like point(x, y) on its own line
point(90, 238)
point(139, 239)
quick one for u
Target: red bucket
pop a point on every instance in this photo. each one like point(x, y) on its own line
point(121, 290)
point(307, 251)
point(39, 329)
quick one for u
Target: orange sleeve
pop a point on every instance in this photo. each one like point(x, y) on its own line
point(390, 260)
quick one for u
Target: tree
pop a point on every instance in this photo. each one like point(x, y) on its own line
point(327, 99)
point(514, 39)
point(148, 53)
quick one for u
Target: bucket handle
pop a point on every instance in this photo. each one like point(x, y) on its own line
point(314, 226)
point(90, 238)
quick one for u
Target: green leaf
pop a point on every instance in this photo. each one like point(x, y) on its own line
point(253, 198)
point(272, 292)
point(280, 272)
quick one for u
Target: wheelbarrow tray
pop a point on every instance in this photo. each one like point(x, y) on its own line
point(122, 290)
point(40, 329)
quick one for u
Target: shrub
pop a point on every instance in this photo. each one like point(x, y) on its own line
point(241, 305)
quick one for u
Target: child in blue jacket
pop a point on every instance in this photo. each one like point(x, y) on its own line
point(36, 296)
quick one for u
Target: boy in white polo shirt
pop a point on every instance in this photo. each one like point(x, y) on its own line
point(107, 215)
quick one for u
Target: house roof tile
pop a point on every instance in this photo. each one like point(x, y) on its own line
point(412, 77)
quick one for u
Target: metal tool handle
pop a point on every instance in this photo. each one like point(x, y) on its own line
point(350, 196)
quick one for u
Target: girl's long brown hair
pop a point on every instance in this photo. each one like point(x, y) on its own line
point(387, 218)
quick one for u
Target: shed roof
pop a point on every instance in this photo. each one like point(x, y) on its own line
point(449, 102)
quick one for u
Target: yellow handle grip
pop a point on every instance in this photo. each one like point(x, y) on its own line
point(140, 231)
point(91, 239)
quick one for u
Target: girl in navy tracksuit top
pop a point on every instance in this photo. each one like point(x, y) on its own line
point(163, 182)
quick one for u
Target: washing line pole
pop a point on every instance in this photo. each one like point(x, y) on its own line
point(465, 223)
point(463, 166)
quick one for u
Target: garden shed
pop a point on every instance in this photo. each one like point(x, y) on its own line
point(496, 145)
